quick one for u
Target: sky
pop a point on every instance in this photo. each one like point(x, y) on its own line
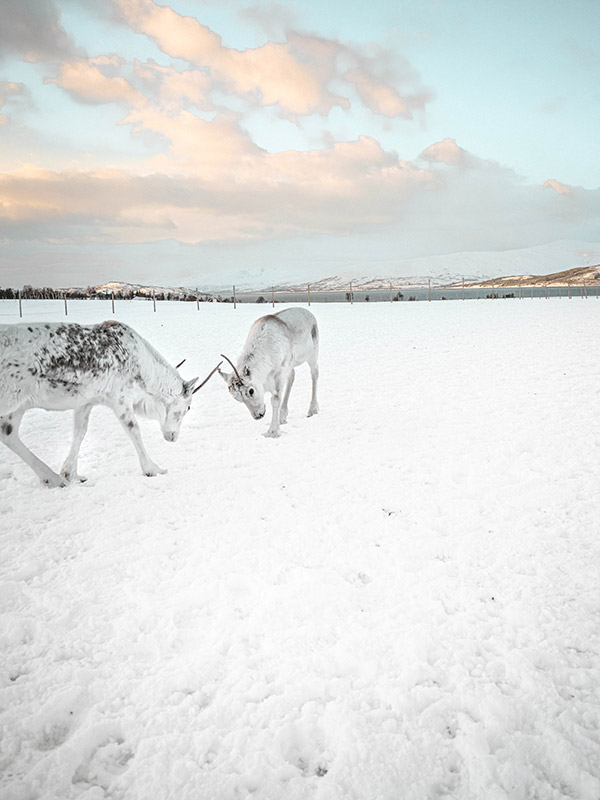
point(190, 141)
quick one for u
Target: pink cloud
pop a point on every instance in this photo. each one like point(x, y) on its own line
point(195, 146)
point(446, 152)
point(9, 90)
point(198, 197)
point(294, 74)
point(174, 89)
point(177, 35)
point(295, 78)
point(86, 82)
point(214, 185)
point(559, 188)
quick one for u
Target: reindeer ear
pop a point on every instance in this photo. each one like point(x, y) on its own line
point(188, 386)
point(226, 375)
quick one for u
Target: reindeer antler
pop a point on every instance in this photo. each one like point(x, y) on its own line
point(180, 363)
point(237, 374)
point(206, 380)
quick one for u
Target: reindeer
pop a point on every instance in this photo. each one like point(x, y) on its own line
point(68, 366)
point(275, 345)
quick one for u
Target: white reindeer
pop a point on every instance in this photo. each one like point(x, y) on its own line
point(58, 366)
point(275, 345)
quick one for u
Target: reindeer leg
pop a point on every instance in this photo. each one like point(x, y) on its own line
point(81, 418)
point(314, 374)
point(132, 429)
point(9, 435)
point(274, 431)
point(283, 412)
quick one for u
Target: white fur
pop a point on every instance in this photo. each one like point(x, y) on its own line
point(276, 345)
point(66, 366)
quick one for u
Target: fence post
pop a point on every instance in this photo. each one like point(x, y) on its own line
point(20, 308)
point(430, 290)
point(308, 287)
point(351, 295)
point(113, 302)
point(273, 296)
point(391, 298)
point(197, 300)
point(463, 291)
point(234, 298)
point(65, 299)
point(154, 299)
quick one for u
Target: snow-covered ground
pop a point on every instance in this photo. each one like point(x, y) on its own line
point(397, 600)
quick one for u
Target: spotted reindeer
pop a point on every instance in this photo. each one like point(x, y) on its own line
point(275, 345)
point(58, 366)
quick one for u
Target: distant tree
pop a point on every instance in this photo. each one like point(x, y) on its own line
point(260, 299)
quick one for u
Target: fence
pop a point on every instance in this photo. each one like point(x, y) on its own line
point(350, 295)
point(411, 294)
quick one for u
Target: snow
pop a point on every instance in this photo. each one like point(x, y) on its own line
point(443, 269)
point(396, 599)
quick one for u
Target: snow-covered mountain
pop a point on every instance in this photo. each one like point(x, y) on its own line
point(526, 266)
point(123, 289)
point(450, 269)
point(579, 276)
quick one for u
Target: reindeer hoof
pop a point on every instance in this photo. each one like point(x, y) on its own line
point(153, 471)
point(272, 434)
point(73, 477)
point(55, 482)
point(313, 411)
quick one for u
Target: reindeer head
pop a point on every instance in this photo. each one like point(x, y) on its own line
point(176, 408)
point(175, 411)
point(245, 389)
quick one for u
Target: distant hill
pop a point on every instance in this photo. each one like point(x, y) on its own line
point(552, 264)
point(443, 269)
point(131, 290)
point(578, 276)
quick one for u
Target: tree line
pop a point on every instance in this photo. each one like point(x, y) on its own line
point(48, 293)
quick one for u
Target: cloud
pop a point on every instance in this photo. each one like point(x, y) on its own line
point(177, 35)
point(275, 19)
point(377, 96)
point(386, 82)
point(446, 152)
point(174, 90)
point(9, 93)
point(295, 74)
point(559, 188)
point(33, 30)
point(348, 189)
point(218, 149)
point(353, 184)
point(205, 180)
point(87, 82)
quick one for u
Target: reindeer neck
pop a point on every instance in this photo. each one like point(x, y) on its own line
point(158, 375)
point(260, 353)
